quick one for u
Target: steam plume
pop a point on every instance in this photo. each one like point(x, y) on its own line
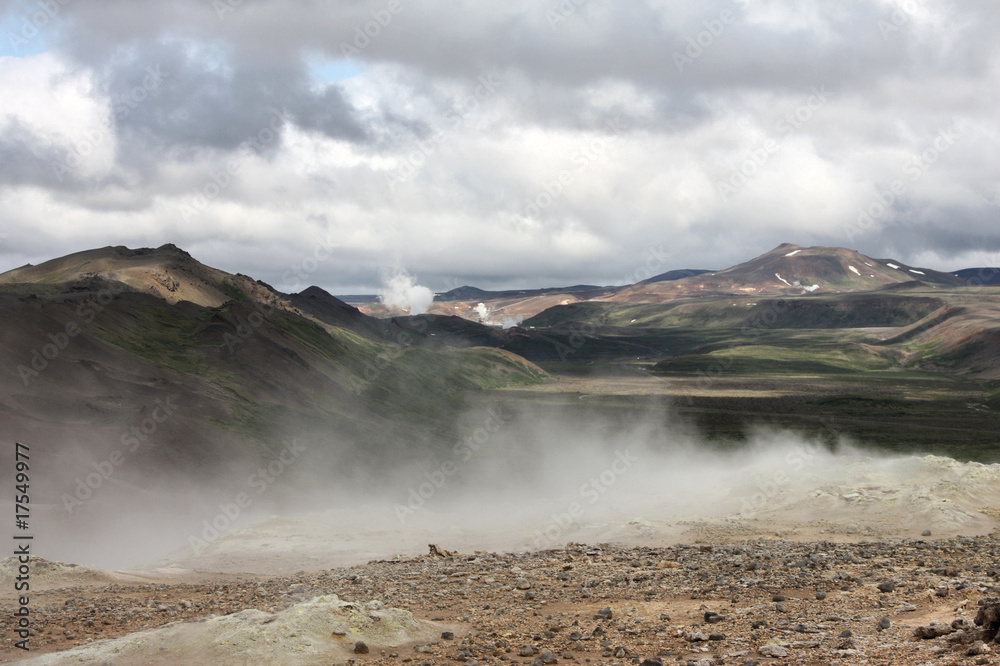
point(401, 291)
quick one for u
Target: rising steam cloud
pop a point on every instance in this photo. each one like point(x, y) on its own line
point(400, 291)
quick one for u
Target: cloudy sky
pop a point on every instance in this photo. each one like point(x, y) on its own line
point(501, 144)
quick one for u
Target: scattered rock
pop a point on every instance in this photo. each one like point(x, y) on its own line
point(773, 651)
point(437, 551)
point(552, 620)
point(547, 657)
point(933, 631)
point(988, 617)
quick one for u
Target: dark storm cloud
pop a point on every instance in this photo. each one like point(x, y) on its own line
point(948, 232)
point(195, 102)
point(27, 159)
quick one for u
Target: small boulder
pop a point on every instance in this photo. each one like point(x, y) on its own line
point(773, 651)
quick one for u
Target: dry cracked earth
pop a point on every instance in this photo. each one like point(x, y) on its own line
point(762, 601)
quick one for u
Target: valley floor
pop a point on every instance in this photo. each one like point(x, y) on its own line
point(777, 601)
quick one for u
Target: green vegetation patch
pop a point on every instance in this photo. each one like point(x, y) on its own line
point(770, 360)
point(158, 333)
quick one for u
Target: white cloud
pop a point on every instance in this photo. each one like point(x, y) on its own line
point(464, 211)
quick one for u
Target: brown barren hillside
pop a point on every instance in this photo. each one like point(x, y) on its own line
point(167, 271)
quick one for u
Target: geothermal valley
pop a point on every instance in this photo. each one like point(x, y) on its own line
point(708, 468)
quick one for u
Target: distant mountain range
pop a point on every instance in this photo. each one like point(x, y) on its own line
point(788, 269)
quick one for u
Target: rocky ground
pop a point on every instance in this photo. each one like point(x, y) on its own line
point(764, 601)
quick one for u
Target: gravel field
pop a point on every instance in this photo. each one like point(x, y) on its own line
point(767, 600)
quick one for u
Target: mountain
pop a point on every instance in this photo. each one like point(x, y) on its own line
point(789, 269)
point(468, 293)
point(187, 371)
point(679, 274)
point(979, 276)
point(167, 272)
point(878, 313)
point(320, 305)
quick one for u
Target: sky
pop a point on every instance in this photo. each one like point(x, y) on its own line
point(523, 143)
